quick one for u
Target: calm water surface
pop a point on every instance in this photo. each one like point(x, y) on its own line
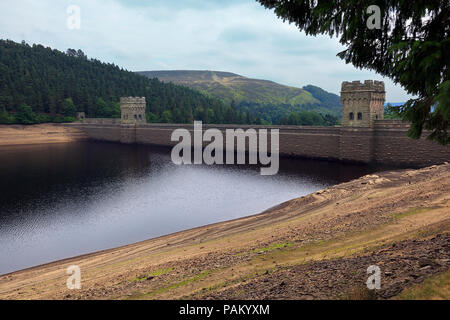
point(60, 201)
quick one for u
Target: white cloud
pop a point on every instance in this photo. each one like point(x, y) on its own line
point(236, 36)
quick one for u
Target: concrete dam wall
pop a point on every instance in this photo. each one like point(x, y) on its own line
point(384, 143)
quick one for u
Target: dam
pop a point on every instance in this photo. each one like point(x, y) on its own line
point(364, 137)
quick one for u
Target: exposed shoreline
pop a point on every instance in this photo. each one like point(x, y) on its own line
point(14, 135)
point(399, 220)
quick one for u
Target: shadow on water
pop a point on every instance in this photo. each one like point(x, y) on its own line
point(64, 200)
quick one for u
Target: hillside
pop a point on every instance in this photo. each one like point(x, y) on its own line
point(38, 84)
point(271, 101)
point(328, 100)
point(229, 86)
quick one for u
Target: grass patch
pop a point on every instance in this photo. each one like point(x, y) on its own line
point(154, 274)
point(266, 249)
point(179, 284)
point(401, 215)
point(434, 288)
point(161, 272)
point(273, 247)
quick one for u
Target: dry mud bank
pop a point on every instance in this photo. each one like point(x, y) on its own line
point(38, 134)
point(315, 247)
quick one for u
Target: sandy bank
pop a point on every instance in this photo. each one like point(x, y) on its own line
point(38, 134)
point(314, 247)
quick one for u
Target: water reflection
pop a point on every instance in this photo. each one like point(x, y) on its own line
point(59, 201)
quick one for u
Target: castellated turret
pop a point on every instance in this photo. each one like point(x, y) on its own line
point(362, 103)
point(133, 110)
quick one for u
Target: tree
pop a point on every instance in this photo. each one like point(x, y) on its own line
point(391, 112)
point(69, 109)
point(5, 117)
point(53, 82)
point(25, 115)
point(102, 108)
point(151, 117)
point(411, 46)
point(166, 117)
point(330, 120)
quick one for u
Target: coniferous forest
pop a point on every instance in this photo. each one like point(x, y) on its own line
point(39, 84)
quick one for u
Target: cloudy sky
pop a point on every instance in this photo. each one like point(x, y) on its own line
point(238, 36)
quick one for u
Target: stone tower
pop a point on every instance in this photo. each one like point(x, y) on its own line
point(133, 110)
point(362, 103)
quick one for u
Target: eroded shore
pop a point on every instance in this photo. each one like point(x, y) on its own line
point(11, 135)
point(314, 247)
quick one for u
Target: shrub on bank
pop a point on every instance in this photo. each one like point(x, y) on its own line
point(26, 116)
point(6, 118)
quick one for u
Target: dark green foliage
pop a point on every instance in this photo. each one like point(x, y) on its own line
point(69, 108)
point(309, 118)
point(107, 110)
point(57, 85)
point(412, 48)
point(328, 100)
point(391, 112)
point(25, 115)
point(278, 113)
point(6, 118)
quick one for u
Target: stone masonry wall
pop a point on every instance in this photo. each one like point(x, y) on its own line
point(110, 133)
point(386, 143)
point(109, 121)
point(362, 103)
point(356, 144)
point(311, 142)
point(393, 146)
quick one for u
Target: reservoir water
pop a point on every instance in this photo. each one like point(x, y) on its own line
point(63, 200)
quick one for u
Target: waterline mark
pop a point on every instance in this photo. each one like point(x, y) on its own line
point(236, 144)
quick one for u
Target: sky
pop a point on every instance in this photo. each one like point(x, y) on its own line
point(238, 36)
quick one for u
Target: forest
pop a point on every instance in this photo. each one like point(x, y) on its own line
point(280, 114)
point(39, 84)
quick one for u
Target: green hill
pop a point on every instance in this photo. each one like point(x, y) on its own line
point(267, 99)
point(229, 86)
point(38, 84)
point(328, 100)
